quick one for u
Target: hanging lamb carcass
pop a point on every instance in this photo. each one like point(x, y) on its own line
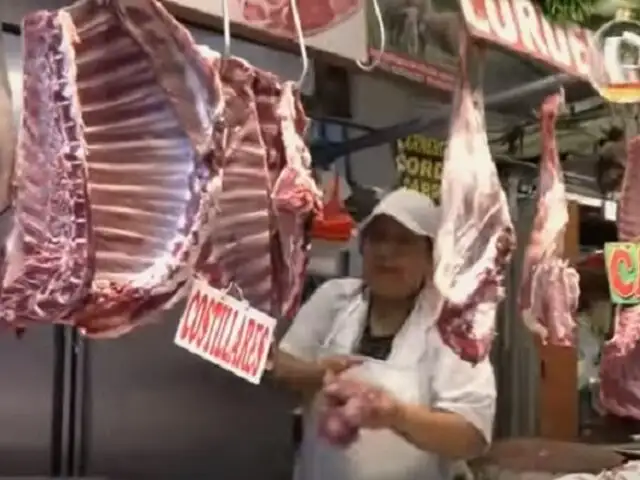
point(258, 242)
point(619, 367)
point(550, 287)
point(112, 192)
point(476, 238)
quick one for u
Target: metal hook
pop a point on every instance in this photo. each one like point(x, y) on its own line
point(300, 34)
point(383, 40)
point(226, 28)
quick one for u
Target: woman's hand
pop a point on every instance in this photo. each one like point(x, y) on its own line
point(363, 404)
point(350, 404)
point(305, 377)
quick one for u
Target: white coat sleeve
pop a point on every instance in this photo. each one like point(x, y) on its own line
point(469, 391)
point(314, 320)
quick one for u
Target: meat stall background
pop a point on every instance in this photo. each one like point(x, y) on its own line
point(140, 372)
point(136, 381)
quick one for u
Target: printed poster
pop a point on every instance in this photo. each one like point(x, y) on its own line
point(419, 162)
point(338, 28)
point(421, 43)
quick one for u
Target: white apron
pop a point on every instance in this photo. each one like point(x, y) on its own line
point(378, 454)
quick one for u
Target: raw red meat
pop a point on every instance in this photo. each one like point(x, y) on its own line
point(122, 147)
point(476, 237)
point(238, 250)
point(316, 16)
point(619, 372)
point(296, 197)
point(550, 287)
point(47, 268)
point(258, 242)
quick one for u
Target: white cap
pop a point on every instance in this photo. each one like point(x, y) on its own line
point(410, 208)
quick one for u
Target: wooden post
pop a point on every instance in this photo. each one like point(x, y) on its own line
point(559, 365)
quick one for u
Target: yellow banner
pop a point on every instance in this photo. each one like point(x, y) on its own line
point(419, 164)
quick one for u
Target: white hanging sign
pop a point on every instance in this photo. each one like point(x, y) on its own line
point(226, 332)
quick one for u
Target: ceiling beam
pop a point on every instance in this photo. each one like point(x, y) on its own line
point(327, 153)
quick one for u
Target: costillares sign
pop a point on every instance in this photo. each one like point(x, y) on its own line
point(622, 260)
point(226, 332)
point(519, 26)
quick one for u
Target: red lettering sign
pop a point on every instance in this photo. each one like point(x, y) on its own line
point(623, 266)
point(624, 287)
point(518, 26)
point(226, 332)
point(190, 317)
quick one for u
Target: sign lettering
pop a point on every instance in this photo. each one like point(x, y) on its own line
point(623, 265)
point(519, 26)
point(225, 332)
point(419, 164)
point(412, 48)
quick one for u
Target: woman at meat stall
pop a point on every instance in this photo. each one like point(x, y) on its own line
point(432, 408)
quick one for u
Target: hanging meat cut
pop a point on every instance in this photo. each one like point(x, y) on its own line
point(550, 288)
point(619, 372)
point(316, 16)
point(258, 242)
point(296, 198)
point(476, 237)
point(47, 267)
point(238, 251)
point(118, 115)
